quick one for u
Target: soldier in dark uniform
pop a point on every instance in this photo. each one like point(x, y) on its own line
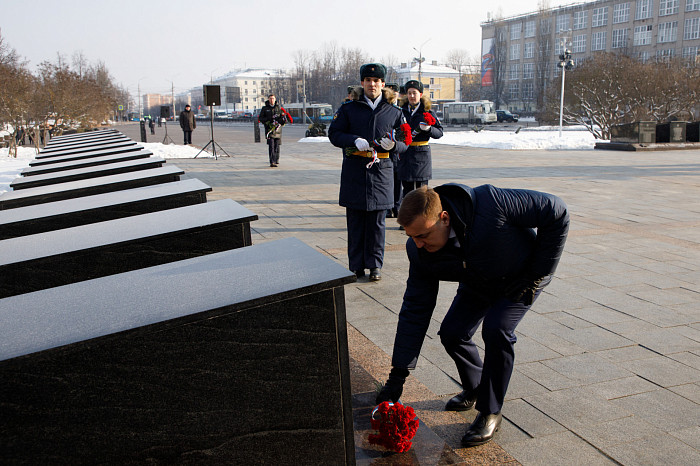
point(365, 129)
point(394, 211)
point(416, 166)
point(502, 247)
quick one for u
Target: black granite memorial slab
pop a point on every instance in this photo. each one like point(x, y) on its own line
point(45, 162)
point(83, 135)
point(85, 143)
point(59, 257)
point(89, 187)
point(233, 358)
point(88, 162)
point(85, 173)
point(51, 216)
point(54, 145)
point(90, 148)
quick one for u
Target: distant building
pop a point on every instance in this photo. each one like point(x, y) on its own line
point(441, 83)
point(520, 53)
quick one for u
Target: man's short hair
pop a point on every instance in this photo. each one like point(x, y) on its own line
point(271, 95)
point(421, 202)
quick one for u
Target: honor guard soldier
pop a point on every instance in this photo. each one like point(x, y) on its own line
point(416, 166)
point(502, 247)
point(366, 129)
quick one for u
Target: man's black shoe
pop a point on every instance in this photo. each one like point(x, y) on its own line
point(462, 401)
point(482, 429)
point(375, 274)
point(390, 213)
point(359, 273)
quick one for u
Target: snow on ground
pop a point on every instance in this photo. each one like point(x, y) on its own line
point(540, 138)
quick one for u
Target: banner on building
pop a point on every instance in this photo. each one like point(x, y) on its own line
point(487, 62)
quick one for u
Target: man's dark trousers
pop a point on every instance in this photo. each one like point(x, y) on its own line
point(188, 136)
point(499, 321)
point(273, 149)
point(366, 231)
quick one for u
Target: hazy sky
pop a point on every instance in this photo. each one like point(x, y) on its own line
point(154, 42)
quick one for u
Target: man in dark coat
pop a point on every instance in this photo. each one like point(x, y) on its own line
point(416, 166)
point(502, 247)
point(188, 123)
point(365, 128)
point(273, 117)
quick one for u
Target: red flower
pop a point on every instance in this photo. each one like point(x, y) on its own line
point(429, 119)
point(405, 129)
point(396, 424)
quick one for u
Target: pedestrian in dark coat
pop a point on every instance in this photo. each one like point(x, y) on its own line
point(273, 117)
point(188, 123)
point(415, 165)
point(366, 129)
point(502, 247)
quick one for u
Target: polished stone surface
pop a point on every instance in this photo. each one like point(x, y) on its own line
point(87, 162)
point(81, 145)
point(99, 152)
point(60, 257)
point(49, 216)
point(82, 136)
point(232, 358)
point(85, 148)
point(73, 189)
point(85, 173)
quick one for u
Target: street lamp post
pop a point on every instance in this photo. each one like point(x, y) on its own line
point(565, 63)
point(420, 59)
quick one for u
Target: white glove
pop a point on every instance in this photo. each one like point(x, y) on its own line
point(424, 126)
point(387, 144)
point(362, 144)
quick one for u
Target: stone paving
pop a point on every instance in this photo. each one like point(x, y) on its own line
point(607, 361)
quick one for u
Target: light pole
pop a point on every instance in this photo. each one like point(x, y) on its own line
point(138, 86)
point(565, 63)
point(420, 59)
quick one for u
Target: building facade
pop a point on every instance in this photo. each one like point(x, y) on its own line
point(520, 53)
point(440, 83)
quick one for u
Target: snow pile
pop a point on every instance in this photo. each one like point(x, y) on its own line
point(173, 151)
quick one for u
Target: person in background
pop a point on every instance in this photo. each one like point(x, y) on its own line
point(188, 123)
point(273, 117)
point(502, 247)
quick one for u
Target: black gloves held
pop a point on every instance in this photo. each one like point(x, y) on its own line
point(392, 389)
point(523, 290)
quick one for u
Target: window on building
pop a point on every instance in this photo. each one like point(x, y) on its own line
point(579, 44)
point(563, 22)
point(691, 52)
point(253, 83)
point(530, 28)
point(642, 35)
point(545, 26)
point(559, 47)
point(432, 80)
point(245, 82)
point(644, 9)
point(513, 91)
point(528, 70)
point(516, 31)
point(621, 13)
point(598, 40)
point(643, 56)
point(580, 19)
point(514, 72)
point(619, 38)
point(599, 17)
point(692, 5)
point(246, 99)
point(668, 32)
point(528, 91)
point(665, 54)
point(246, 92)
point(431, 95)
point(529, 50)
point(668, 7)
point(692, 29)
point(515, 51)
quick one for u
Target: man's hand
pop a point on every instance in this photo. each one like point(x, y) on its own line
point(362, 144)
point(393, 388)
point(386, 143)
point(523, 290)
point(424, 126)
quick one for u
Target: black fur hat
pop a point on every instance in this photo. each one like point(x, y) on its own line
point(372, 70)
point(414, 84)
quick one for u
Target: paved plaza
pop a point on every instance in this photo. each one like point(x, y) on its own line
point(608, 359)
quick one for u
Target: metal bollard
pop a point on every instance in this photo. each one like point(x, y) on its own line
point(143, 130)
point(256, 130)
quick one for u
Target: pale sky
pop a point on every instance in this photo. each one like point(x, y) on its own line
point(152, 43)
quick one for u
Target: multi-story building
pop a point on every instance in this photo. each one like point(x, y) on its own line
point(441, 83)
point(520, 53)
point(152, 103)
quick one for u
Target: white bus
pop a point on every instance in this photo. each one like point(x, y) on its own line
point(478, 112)
point(321, 113)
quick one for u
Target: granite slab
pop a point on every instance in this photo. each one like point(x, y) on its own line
point(73, 189)
point(55, 258)
point(85, 148)
point(49, 216)
point(86, 162)
point(98, 152)
point(84, 143)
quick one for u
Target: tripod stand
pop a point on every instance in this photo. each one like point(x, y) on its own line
point(212, 142)
point(167, 138)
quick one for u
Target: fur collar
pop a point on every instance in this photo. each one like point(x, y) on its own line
point(389, 95)
point(425, 100)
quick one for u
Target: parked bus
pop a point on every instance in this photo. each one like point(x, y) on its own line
point(315, 113)
point(478, 112)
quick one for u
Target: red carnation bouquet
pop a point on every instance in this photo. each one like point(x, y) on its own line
point(396, 425)
point(429, 119)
